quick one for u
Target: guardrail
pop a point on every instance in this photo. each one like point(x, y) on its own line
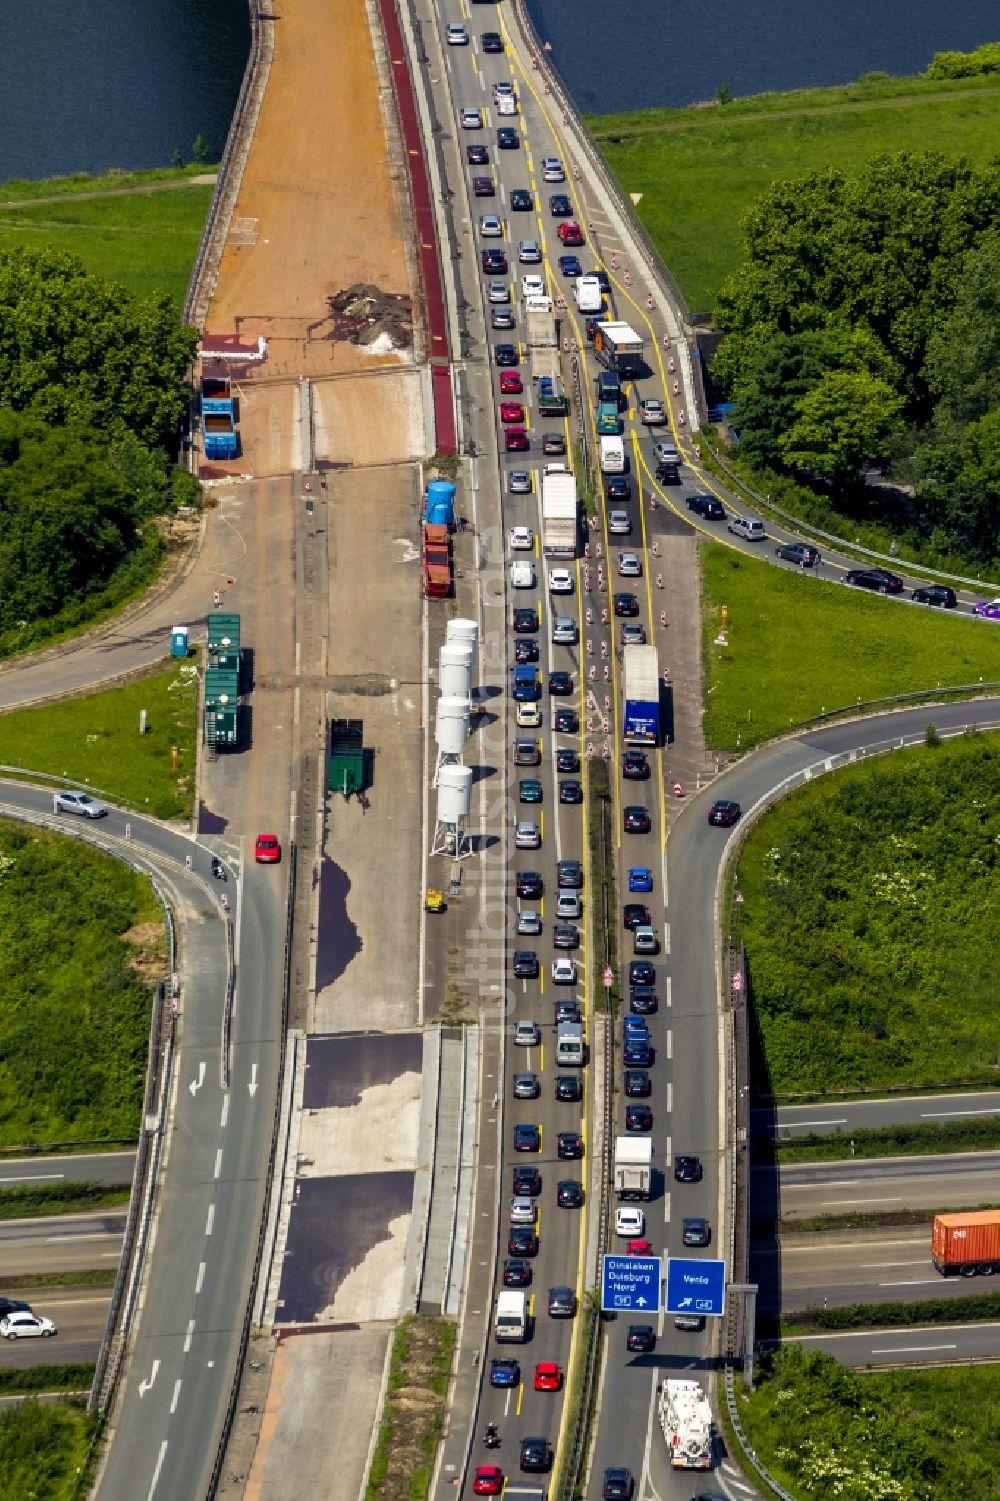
point(748, 1451)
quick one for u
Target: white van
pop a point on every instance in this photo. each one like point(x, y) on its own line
point(511, 1319)
point(612, 455)
point(588, 295)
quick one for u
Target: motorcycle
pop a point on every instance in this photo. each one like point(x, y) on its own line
point(218, 869)
point(491, 1438)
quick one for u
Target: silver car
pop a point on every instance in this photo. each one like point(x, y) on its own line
point(619, 523)
point(552, 169)
point(529, 921)
point(490, 226)
point(652, 412)
point(528, 252)
point(527, 836)
point(522, 1210)
point(519, 482)
point(78, 802)
point(667, 453)
point(498, 291)
point(526, 1034)
point(629, 566)
point(564, 630)
point(526, 1086)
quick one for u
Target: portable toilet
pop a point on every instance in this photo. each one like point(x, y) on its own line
point(179, 641)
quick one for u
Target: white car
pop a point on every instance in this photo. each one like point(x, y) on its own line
point(529, 717)
point(526, 1034)
point(629, 1222)
point(552, 169)
point(78, 802)
point(457, 36)
point(522, 1210)
point(26, 1326)
point(619, 523)
point(498, 292)
point(652, 411)
point(471, 119)
point(527, 836)
point(522, 575)
point(522, 539)
point(667, 453)
point(560, 581)
point(503, 90)
point(532, 285)
point(563, 972)
point(529, 252)
point(529, 921)
point(490, 227)
point(629, 565)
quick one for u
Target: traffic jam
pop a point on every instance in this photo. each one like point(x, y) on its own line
point(585, 685)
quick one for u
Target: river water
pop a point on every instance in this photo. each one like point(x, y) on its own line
point(91, 84)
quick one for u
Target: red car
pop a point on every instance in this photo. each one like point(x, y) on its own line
point(487, 1481)
point(515, 439)
point(570, 233)
point(267, 849)
point(511, 411)
point(548, 1376)
point(510, 383)
point(640, 1248)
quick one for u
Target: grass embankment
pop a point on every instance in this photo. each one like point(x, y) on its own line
point(413, 1417)
point(95, 739)
point(148, 239)
point(920, 1139)
point(983, 1309)
point(800, 646)
point(82, 940)
point(698, 170)
point(37, 1201)
point(867, 966)
point(824, 1431)
point(873, 1219)
point(44, 1448)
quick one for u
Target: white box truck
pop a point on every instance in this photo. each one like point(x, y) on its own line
point(588, 295)
point(560, 513)
point(511, 1319)
point(612, 454)
point(633, 1166)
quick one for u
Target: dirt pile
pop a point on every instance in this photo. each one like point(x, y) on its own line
point(364, 314)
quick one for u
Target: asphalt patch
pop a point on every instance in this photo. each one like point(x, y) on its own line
point(339, 1069)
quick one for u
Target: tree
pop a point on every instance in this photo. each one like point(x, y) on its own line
point(202, 151)
point(966, 500)
point(843, 423)
point(963, 353)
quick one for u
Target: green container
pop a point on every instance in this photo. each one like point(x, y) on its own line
point(345, 771)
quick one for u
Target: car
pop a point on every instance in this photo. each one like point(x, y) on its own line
point(511, 411)
point(526, 1086)
point(532, 285)
point(491, 41)
point(629, 1221)
point(553, 443)
point(499, 292)
point(565, 935)
point(526, 1034)
point(521, 539)
point(457, 36)
point(567, 759)
point(560, 206)
point(644, 940)
point(529, 887)
point(570, 792)
point(643, 999)
point(564, 632)
point(527, 752)
point(488, 1481)
point(536, 1455)
point(639, 1246)
point(635, 1026)
point(652, 412)
point(501, 317)
point(569, 1088)
point(516, 1273)
point(78, 802)
point(471, 119)
point(527, 1180)
point(560, 684)
point(878, 579)
point(522, 1210)
point(687, 1169)
point(724, 813)
point(529, 790)
point(519, 481)
point(629, 565)
point(569, 1145)
point(570, 233)
point(529, 252)
point(668, 474)
point(562, 1303)
point(522, 1240)
point(636, 820)
point(527, 835)
point(25, 1325)
point(695, 1231)
point(525, 652)
point(747, 527)
point(515, 440)
point(619, 523)
point(568, 905)
point(13, 1305)
point(528, 716)
point(988, 609)
point(505, 355)
point(626, 605)
point(634, 913)
point(508, 138)
point(569, 875)
point(638, 1118)
point(529, 922)
point(566, 721)
point(477, 155)
point(641, 972)
point(267, 849)
point(527, 1138)
point(640, 878)
point(560, 581)
point(617, 487)
point(491, 226)
point(521, 200)
point(800, 553)
point(569, 1194)
point(707, 506)
point(667, 452)
point(569, 265)
point(693, 1323)
point(641, 1338)
point(637, 1052)
point(493, 260)
point(552, 169)
point(525, 964)
point(564, 972)
point(525, 619)
point(635, 765)
point(632, 634)
point(637, 1084)
point(567, 1010)
point(548, 1376)
point(936, 594)
point(618, 1484)
point(601, 277)
point(505, 1372)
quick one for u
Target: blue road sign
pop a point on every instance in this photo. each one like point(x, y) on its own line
point(631, 1284)
point(696, 1286)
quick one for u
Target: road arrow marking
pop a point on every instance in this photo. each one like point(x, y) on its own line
point(145, 1386)
point(195, 1086)
point(252, 1086)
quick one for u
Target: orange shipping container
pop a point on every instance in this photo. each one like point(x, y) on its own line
point(966, 1242)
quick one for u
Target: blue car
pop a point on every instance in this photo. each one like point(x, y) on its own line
point(637, 1052)
point(634, 1026)
point(505, 1373)
point(569, 265)
point(640, 878)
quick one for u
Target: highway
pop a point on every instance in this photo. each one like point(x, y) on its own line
point(935, 1344)
point(67, 1167)
point(61, 1243)
point(848, 1115)
point(860, 1266)
point(80, 1314)
point(955, 1180)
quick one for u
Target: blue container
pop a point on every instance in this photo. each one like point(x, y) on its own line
point(179, 641)
point(440, 507)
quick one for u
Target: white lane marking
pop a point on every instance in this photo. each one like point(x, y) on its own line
point(189, 1336)
point(225, 1111)
point(866, 1333)
point(670, 1097)
point(159, 1466)
point(666, 1208)
point(218, 1162)
point(211, 1219)
point(174, 1399)
point(670, 997)
point(831, 1203)
point(929, 1115)
point(51, 1240)
point(644, 1483)
point(911, 1349)
point(833, 1183)
point(670, 1042)
point(802, 1125)
point(914, 1282)
point(876, 1266)
point(30, 1177)
point(252, 1086)
point(195, 1085)
point(666, 938)
point(145, 1386)
point(200, 1280)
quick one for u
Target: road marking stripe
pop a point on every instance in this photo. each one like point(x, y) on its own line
point(910, 1349)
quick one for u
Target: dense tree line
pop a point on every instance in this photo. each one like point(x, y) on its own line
point(862, 330)
point(92, 390)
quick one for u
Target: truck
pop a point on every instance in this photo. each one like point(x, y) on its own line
point(618, 347)
point(552, 398)
point(633, 1166)
point(218, 418)
point(543, 341)
point(439, 503)
point(612, 454)
point(641, 719)
point(222, 707)
point(510, 1322)
point(686, 1421)
point(608, 420)
point(588, 295)
point(608, 386)
point(966, 1244)
point(560, 512)
point(435, 551)
point(222, 640)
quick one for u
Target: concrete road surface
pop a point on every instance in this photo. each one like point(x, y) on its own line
point(89, 1167)
point(959, 1180)
point(895, 1347)
point(849, 1115)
